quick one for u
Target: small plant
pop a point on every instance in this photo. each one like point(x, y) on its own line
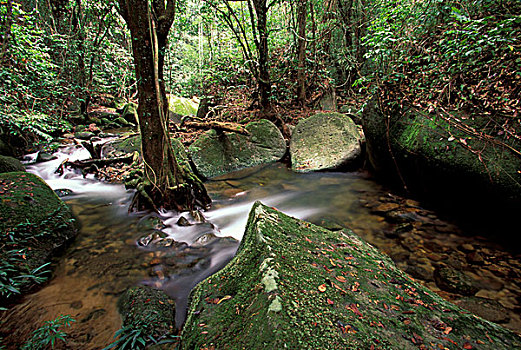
point(49, 333)
point(139, 335)
point(12, 278)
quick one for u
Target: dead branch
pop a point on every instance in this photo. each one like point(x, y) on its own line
point(218, 126)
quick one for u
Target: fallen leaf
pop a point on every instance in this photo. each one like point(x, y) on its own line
point(467, 346)
point(447, 330)
point(329, 301)
point(224, 298)
point(341, 279)
point(322, 288)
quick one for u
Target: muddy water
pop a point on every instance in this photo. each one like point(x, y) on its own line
point(116, 250)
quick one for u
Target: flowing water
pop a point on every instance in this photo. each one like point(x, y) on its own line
point(116, 250)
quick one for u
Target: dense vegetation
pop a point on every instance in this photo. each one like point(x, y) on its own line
point(57, 63)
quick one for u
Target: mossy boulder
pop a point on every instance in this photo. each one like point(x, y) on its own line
point(182, 106)
point(34, 220)
point(294, 285)
point(122, 146)
point(10, 164)
point(216, 153)
point(129, 112)
point(147, 309)
point(444, 158)
point(324, 141)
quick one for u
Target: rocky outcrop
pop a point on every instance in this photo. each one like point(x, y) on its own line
point(216, 153)
point(129, 113)
point(325, 141)
point(294, 285)
point(34, 223)
point(122, 146)
point(10, 164)
point(448, 160)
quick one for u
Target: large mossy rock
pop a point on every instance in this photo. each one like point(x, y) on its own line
point(122, 146)
point(440, 160)
point(10, 164)
point(129, 113)
point(32, 219)
point(149, 310)
point(182, 106)
point(324, 141)
point(294, 285)
point(216, 154)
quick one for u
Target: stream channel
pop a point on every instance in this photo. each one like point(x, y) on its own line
point(115, 250)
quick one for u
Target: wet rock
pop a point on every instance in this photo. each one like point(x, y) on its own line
point(475, 258)
point(44, 157)
point(197, 216)
point(216, 154)
point(384, 208)
point(420, 272)
point(403, 228)
point(454, 281)
point(467, 247)
point(398, 216)
point(10, 164)
point(183, 222)
point(84, 135)
point(324, 141)
point(122, 146)
point(489, 309)
point(62, 192)
point(146, 240)
point(276, 285)
point(204, 239)
point(330, 223)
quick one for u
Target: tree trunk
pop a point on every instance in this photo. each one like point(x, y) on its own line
point(301, 55)
point(264, 75)
point(166, 184)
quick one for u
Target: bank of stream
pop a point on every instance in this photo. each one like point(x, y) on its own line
point(115, 250)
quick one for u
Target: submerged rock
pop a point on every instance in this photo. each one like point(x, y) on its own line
point(33, 221)
point(325, 141)
point(216, 154)
point(10, 164)
point(295, 285)
point(454, 281)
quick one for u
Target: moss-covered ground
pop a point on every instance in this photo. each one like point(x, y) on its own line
point(294, 285)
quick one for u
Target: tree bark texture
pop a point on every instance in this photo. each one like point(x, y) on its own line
point(166, 184)
point(301, 54)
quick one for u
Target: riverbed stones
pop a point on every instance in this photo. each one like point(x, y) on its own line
point(33, 221)
point(216, 153)
point(454, 281)
point(10, 164)
point(295, 285)
point(324, 141)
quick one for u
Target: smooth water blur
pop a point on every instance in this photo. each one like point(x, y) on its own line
point(116, 250)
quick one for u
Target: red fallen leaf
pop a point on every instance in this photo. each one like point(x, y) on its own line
point(329, 301)
point(467, 346)
point(322, 288)
point(354, 308)
point(341, 279)
point(147, 301)
point(337, 287)
point(308, 240)
point(447, 330)
point(450, 340)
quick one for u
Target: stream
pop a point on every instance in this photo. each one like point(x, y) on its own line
point(115, 250)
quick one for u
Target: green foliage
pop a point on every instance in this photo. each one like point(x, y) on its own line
point(463, 54)
point(49, 333)
point(138, 335)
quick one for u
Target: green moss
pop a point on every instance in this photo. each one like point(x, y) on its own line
point(331, 290)
point(10, 164)
point(182, 106)
point(216, 154)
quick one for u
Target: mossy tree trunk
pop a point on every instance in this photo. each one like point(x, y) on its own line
point(166, 184)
